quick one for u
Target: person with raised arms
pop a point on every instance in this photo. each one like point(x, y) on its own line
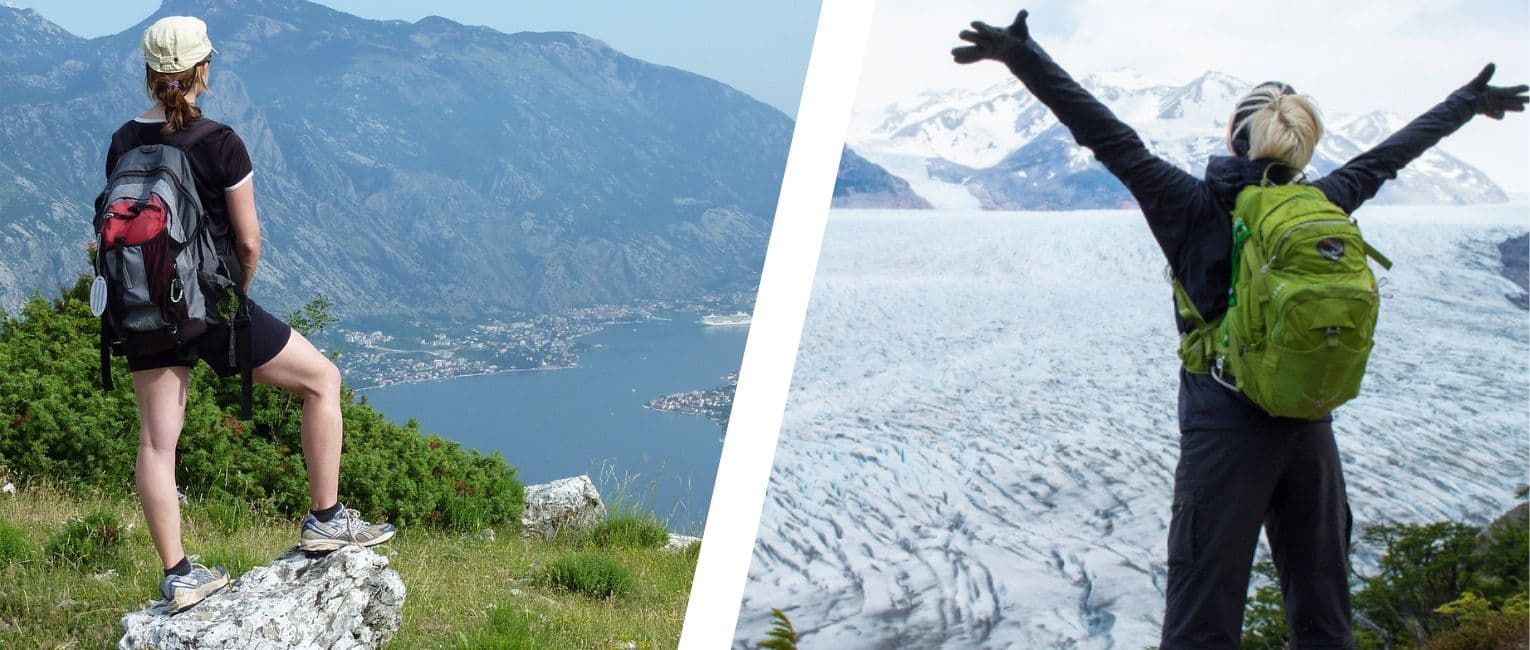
point(1276, 305)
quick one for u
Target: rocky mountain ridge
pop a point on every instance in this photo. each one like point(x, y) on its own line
point(1000, 148)
point(412, 169)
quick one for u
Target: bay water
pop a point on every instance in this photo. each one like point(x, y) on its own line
point(592, 419)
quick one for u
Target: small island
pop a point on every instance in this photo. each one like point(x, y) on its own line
point(714, 403)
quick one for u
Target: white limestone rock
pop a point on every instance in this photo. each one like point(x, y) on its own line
point(348, 599)
point(679, 543)
point(562, 506)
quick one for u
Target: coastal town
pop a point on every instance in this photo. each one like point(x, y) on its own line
point(412, 351)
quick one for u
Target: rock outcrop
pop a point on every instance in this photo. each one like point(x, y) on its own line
point(1517, 518)
point(562, 506)
point(864, 184)
point(679, 543)
point(1514, 254)
point(346, 599)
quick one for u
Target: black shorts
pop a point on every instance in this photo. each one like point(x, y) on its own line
point(268, 335)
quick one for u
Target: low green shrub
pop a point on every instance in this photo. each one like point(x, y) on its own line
point(1438, 585)
point(1494, 632)
point(56, 423)
point(630, 531)
point(14, 545)
point(592, 574)
point(91, 541)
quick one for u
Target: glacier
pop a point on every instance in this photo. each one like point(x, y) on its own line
point(979, 441)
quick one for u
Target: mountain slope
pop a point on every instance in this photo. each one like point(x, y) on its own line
point(862, 183)
point(400, 166)
point(1002, 149)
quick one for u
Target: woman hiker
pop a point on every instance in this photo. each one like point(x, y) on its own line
point(1239, 467)
point(177, 60)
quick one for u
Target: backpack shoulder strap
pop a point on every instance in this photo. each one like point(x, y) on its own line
point(187, 138)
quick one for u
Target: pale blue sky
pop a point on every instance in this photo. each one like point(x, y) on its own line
point(758, 46)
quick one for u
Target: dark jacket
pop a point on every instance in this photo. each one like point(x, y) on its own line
point(1190, 217)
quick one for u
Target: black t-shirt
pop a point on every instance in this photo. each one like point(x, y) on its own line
point(219, 162)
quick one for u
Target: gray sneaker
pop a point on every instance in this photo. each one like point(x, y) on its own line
point(346, 529)
point(184, 591)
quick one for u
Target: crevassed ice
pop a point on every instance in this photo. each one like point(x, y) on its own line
point(980, 438)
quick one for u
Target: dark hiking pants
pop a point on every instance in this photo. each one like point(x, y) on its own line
point(1229, 483)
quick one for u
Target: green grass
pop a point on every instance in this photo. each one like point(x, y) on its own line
point(463, 590)
point(592, 574)
point(629, 531)
point(15, 544)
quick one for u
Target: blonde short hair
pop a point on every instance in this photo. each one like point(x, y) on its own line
point(1287, 129)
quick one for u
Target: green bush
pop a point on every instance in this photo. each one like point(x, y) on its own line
point(57, 423)
point(1439, 585)
point(1423, 567)
point(591, 574)
point(1264, 618)
point(89, 542)
point(14, 544)
point(630, 531)
point(1493, 632)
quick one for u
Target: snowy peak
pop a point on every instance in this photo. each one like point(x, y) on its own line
point(1210, 98)
point(999, 148)
point(1370, 129)
point(1124, 78)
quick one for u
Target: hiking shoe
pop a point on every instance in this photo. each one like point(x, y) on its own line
point(184, 591)
point(346, 529)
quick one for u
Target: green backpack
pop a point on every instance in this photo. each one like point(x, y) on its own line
point(1302, 306)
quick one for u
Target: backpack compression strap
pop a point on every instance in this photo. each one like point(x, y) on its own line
point(239, 355)
point(1198, 347)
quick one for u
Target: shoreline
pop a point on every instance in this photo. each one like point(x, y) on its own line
point(358, 389)
point(601, 327)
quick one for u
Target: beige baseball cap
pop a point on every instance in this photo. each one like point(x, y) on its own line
point(176, 44)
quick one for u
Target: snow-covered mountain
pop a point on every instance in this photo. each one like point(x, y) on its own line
point(1000, 148)
point(959, 469)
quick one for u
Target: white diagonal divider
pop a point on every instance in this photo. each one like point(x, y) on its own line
point(785, 282)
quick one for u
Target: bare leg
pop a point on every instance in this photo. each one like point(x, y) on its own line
point(161, 397)
point(305, 371)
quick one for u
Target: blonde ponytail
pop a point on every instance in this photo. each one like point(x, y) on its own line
point(1286, 129)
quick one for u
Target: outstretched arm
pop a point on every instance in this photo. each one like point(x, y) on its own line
point(1160, 188)
point(1360, 178)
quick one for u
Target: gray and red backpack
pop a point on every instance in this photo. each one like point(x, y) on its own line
point(162, 277)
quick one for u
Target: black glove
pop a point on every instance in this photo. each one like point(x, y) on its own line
point(989, 42)
point(1494, 101)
